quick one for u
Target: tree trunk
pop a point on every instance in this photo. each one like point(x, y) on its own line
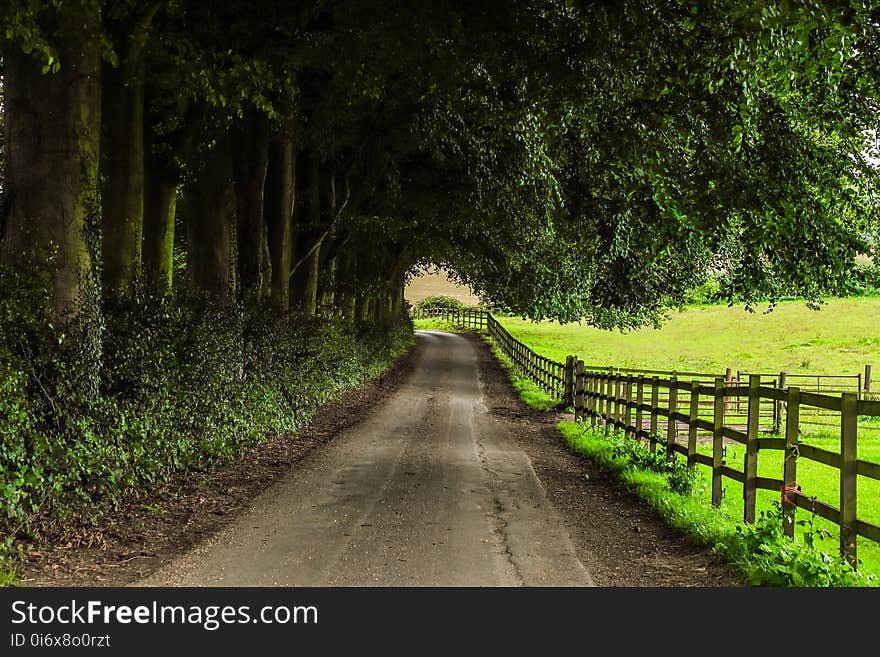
point(365, 307)
point(266, 264)
point(209, 215)
point(123, 166)
point(279, 218)
point(160, 205)
point(307, 240)
point(397, 300)
point(327, 280)
point(349, 307)
point(383, 306)
point(327, 263)
point(250, 159)
point(312, 274)
point(53, 126)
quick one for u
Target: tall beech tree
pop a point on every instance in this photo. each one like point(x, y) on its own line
point(278, 202)
point(129, 27)
point(53, 127)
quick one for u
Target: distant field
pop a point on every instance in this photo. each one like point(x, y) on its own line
point(438, 285)
point(841, 338)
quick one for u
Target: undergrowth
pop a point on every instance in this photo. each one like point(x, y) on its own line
point(178, 384)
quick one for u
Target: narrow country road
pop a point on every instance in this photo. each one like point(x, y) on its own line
point(430, 489)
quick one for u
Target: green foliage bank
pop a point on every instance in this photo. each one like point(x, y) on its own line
point(184, 384)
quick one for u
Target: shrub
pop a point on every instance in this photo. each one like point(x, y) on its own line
point(182, 384)
point(680, 477)
point(865, 279)
point(769, 558)
point(439, 303)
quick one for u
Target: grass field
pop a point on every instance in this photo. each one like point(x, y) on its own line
point(839, 339)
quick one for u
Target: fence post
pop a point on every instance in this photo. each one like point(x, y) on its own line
point(612, 403)
point(655, 401)
point(589, 398)
point(618, 398)
point(593, 387)
point(671, 422)
point(640, 400)
point(568, 375)
point(750, 482)
point(777, 405)
point(692, 423)
point(717, 440)
point(866, 386)
point(728, 380)
point(579, 390)
point(627, 409)
point(789, 469)
point(849, 422)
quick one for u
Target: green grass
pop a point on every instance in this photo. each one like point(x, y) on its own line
point(759, 552)
point(8, 576)
point(841, 338)
point(530, 393)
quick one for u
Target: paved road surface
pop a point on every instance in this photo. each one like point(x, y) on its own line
point(429, 490)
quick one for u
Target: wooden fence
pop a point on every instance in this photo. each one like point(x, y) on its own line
point(466, 317)
point(633, 405)
point(551, 376)
point(684, 410)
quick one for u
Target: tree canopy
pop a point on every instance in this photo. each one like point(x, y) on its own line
point(567, 160)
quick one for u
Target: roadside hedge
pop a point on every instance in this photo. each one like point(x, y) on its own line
point(179, 385)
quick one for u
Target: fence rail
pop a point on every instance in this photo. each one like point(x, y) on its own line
point(685, 410)
point(466, 317)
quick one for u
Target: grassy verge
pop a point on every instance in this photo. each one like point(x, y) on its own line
point(530, 393)
point(761, 553)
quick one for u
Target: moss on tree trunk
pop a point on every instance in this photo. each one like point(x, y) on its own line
point(53, 124)
point(160, 205)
